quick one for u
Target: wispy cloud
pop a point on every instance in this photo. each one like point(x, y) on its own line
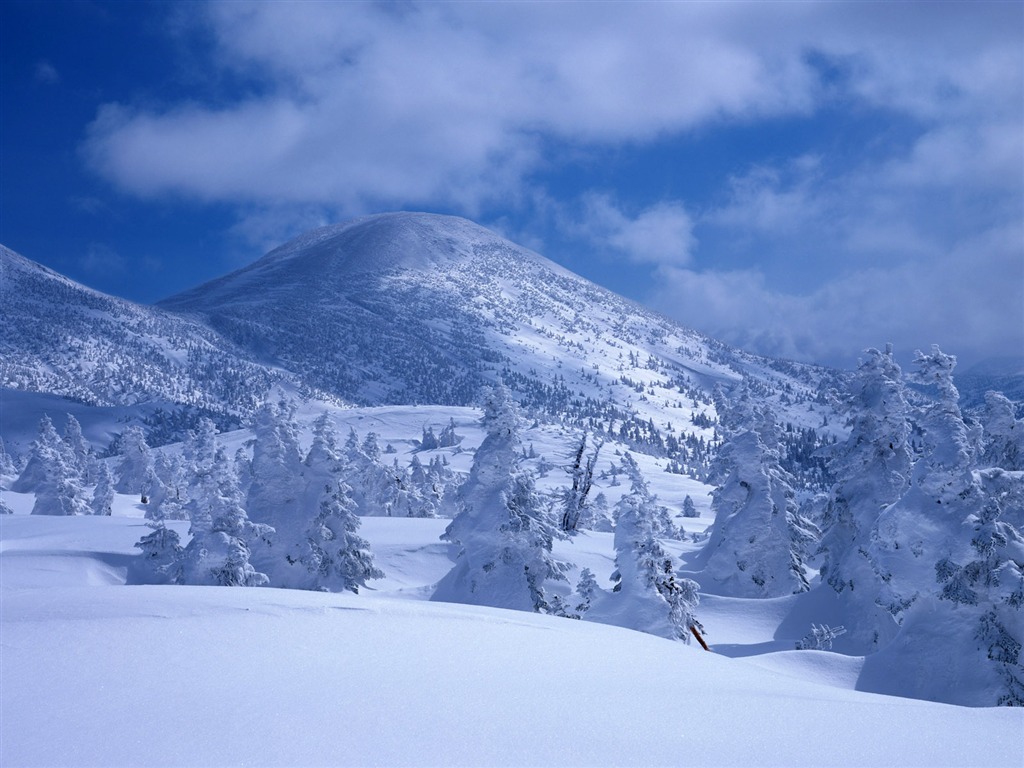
point(46, 73)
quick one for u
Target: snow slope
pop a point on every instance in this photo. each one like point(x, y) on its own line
point(93, 672)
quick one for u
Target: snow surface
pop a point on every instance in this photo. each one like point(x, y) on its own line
point(94, 672)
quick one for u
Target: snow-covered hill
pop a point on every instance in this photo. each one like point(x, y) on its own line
point(61, 338)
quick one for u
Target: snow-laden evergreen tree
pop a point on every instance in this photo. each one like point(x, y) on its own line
point(759, 540)
point(820, 638)
point(103, 494)
point(424, 492)
point(4, 508)
point(59, 491)
point(198, 455)
point(276, 490)
point(660, 518)
point(987, 589)
point(872, 470)
point(574, 499)
point(448, 438)
point(1003, 435)
point(277, 484)
point(503, 539)
point(336, 558)
point(648, 595)
point(79, 453)
point(168, 493)
point(7, 466)
point(33, 474)
point(136, 465)
point(219, 551)
point(586, 589)
point(924, 525)
point(597, 516)
point(162, 558)
point(378, 488)
point(689, 509)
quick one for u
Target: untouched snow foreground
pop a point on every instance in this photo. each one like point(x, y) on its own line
point(93, 672)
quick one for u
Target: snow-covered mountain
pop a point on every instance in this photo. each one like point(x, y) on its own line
point(61, 338)
point(397, 308)
point(410, 307)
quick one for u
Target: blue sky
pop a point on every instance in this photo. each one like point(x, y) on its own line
point(801, 179)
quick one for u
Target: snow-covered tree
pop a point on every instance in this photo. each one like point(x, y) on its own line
point(7, 467)
point(872, 470)
point(1004, 434)
point(648, 595)
point(597, 516)
point(689, 509)
point(136, 465)
point(79, 452)
point(923, 526)
point(51, 473)
point(504, 542)
point(660, 518)
point(277, 484)
point(276, 489)
point(586, 589)
point(820, 638)
point(222, 534)
point(336, 558)
point(168, 488)
point(34, 473)
point(162, 558)
point(759, 540)
point(103, 493)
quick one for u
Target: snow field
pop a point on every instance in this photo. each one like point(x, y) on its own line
point(108, 674)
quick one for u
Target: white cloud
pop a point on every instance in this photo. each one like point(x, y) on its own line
point(443, 102)
point(969, 301)
point(661, 235)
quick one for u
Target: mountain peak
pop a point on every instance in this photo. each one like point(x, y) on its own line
point(386, 241)
point(330, 257)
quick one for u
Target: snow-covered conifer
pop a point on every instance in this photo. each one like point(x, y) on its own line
point(689, 509)
point(276, 469)
point(648, 595)
point(136, 465)
point(759, 540)
point(336, 558)
point(1004, 434)
point(448, 438)
point(586, 589)
point(34, 473)
point(162, 558)
point(276, 489)
point(597, 515)
point(7, 467)
point(52, 475)
point(103, 493)
point(80, 454)
point(504, 542)
point(872, 470)
point(218, 554)
point(914, 533)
